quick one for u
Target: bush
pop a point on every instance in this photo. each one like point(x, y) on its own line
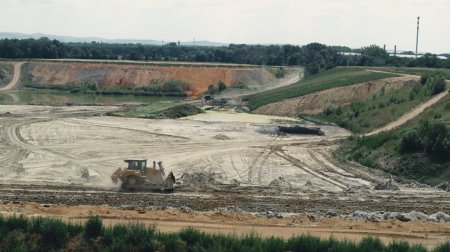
point(280, 73)
point(435, 139)
point(370, 244)
point(410, 142)
point(438, 86)
point(443, 247)
point(221, 86)
point(16, 223)
point(93, 227)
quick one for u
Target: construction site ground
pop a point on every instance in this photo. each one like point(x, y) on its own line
point(57, 161)
point(235, 174)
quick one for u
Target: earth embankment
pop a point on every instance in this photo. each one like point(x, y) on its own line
point(316, 102)
point(132, 75)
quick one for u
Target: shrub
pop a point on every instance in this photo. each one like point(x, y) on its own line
point(370, 244)
point(221, 86)
point(93, 227)
point(438, 86)
point(53, 231)
point(435, 139)
point(443, 247)
point(15, 222)
point(410, 142)
point(280, 73)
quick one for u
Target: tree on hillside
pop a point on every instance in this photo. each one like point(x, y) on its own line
point(221, 86)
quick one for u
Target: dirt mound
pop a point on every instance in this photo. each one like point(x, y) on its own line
point(388, 185)
point(280, 183)
point(316, 102)
point(123, 75)
point(445, 186)
point(199, 178)
point(175, 112)
point(221, 137)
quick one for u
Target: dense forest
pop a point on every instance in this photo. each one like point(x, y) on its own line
point(315, 57)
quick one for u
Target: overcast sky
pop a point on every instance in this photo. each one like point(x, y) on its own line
point(353, 23)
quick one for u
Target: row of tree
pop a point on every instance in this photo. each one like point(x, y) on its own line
point(316, 57)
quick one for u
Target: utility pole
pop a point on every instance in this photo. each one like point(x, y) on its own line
point(417, 36)
point(395, 50)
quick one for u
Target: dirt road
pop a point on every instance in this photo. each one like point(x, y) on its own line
point(412, 113)
point(17, 71)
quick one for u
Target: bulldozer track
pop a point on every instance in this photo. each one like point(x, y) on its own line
point(279, 152)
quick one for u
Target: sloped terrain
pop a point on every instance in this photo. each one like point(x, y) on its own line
point(316, 102)
point(133, 75)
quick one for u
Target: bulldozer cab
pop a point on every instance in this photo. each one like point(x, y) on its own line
point(137, 164)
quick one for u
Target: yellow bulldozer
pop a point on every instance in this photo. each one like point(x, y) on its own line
point(137, 176)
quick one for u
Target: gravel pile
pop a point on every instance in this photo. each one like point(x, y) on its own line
point(221, 137)
point(280, 182)
point(234, 209)
point(388, 185)
point(405, 217)
point(444, 186)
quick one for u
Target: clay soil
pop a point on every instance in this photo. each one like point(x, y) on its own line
point(132, 75)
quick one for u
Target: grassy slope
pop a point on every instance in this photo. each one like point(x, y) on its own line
point(363, 117)
point(414, 70)
point(18, 233)
point(341, 76)
point(5, 67)
point(382, 151)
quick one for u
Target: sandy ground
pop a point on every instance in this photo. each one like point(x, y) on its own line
point(45, 150)
point(49, 140)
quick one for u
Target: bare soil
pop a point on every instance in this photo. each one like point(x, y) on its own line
point(132, 75)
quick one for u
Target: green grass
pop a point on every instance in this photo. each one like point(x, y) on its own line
point(18, 233)
point(380, 109)
point(382, 151)
point(414, 70)
point(337, 77)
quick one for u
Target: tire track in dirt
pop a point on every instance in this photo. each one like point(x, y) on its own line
point(279, 152)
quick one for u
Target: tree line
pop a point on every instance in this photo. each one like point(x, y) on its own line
point(315, 57)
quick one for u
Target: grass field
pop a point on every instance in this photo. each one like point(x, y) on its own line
point(414, 70)
point(382, 151)
point(18, 233)
point(365, 116)
point(337, 77)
